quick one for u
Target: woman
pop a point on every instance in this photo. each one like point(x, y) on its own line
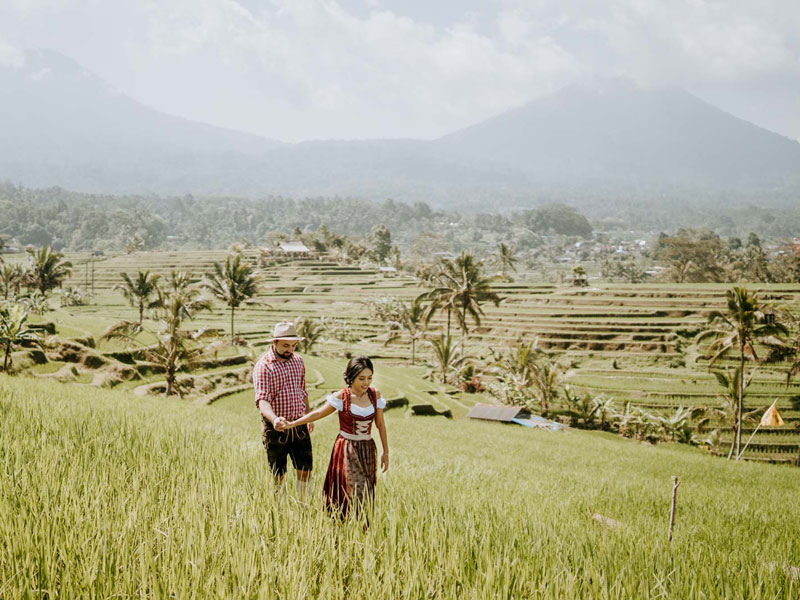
point(351, 475)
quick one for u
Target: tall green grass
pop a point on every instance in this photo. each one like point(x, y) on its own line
point(106, 495)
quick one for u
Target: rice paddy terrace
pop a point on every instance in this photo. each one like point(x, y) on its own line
point(632, 342)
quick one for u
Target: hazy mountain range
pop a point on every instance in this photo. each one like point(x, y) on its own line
point(63, 126)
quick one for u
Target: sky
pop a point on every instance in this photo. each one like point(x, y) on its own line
point(296, 70)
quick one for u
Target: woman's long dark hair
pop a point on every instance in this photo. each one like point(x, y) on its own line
point(354, 368)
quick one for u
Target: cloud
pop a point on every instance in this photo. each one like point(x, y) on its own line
point(10, 57)
point(300, 69)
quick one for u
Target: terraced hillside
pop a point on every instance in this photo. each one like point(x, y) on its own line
point(634, 343)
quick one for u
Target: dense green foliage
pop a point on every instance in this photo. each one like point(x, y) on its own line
point(84, 221)
point(701, 255)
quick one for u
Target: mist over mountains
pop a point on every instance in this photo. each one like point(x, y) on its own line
point(63, 126)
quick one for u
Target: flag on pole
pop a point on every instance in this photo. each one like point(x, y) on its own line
point(772, 417)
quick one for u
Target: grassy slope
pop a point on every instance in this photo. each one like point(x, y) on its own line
point(102, 493)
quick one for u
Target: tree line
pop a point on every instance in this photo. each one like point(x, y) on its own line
point(74, 221)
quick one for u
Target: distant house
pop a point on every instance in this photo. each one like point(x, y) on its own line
point(387, 271)
point(298, 249)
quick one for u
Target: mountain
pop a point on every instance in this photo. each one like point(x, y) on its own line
point(613, 131)
point(61, 125)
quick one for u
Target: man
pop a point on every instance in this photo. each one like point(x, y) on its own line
point(279, 378)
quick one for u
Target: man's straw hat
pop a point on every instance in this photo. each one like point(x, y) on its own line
point(285, 330)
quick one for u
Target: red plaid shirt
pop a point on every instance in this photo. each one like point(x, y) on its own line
point(282, 383)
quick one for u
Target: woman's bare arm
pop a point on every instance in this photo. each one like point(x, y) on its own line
point(323, 411)
point(381, 425)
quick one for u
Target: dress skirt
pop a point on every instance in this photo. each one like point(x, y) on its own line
point(351, 476)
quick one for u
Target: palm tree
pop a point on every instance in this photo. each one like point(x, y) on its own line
point(729, 399)
point(506, 256)
point(175, 348)
point(139, 290)
point(546, 378)
point(11, 278)
point(514, 369)
point(175, 307)
point(446, 354)
point(48, 269)
point(473, 290)
point(412, 320)
point(178, 281)
point(460, 289)
point(14, 331)
point(232, 283)
point(311, 331)
point(738, 328)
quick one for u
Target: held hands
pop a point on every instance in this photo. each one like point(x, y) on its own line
point(282, 424)
point(384, 462)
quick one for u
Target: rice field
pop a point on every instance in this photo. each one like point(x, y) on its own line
point(633, 342)
point(104, 494)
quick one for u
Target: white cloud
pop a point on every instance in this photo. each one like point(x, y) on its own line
point(299, 69)
point(10, 57)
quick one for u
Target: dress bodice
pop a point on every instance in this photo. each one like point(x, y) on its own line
point(356, 424)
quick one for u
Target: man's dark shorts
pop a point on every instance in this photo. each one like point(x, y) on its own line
point(295, 443)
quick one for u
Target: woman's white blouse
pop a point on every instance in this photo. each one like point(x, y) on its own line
point(359, 411)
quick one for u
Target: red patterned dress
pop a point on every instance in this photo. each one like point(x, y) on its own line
point(350, 480)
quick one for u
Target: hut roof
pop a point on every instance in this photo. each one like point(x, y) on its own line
point(294, 247)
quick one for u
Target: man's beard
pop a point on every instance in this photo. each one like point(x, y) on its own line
point(286, 356)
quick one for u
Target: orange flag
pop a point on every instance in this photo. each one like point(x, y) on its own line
point(772, 417)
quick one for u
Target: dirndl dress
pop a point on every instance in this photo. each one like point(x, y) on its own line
point(352, 471)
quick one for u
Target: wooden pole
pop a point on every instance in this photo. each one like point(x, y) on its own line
point(675, 483)
point(750, 439)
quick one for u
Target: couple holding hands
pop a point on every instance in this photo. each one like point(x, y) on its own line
point(281, 398)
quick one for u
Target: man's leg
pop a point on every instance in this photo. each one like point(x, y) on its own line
point(276, 452)
point(303, 461)
point(303, 484)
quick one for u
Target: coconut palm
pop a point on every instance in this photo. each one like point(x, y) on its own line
point(515, 367)
point(176, 307)
point(14, 331)
point(309, 330)
point(737, 329)
point(506, 256)
point(48, 270)
point(232, 283)
point(729, 399)
point(11, 279)
point(461, 289)
point(140, 290)
point(443, 296)
point(474, 289)
point(447, 355)
point(175, 348)
point(547, 376)
point(411, 320)
point(177, 282)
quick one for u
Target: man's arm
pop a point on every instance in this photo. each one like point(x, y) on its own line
point(265, 408)
point(263, 392)
point(305, 400)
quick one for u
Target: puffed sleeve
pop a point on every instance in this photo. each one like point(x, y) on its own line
point(380, 403)
point(335, 402)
